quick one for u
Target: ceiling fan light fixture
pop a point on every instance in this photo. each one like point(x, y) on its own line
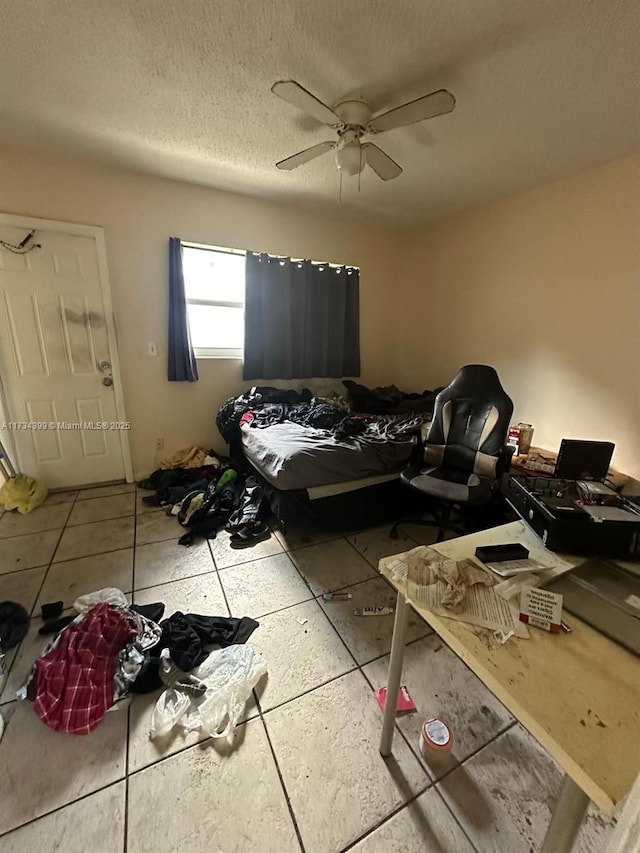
point(349, 158)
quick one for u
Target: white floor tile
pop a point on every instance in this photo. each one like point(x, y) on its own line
point(442, 686)
point(420, 533)
point(67, 580)
point(43, 770)
point(22, 587)
point(331, 566)
point(101, 509)
point(93, 825)
point(97, 538)
point(300, 655)
point(225, 555)
point(29, 649)
point(338, 783)
point(42, 518)
point(368, 637)
point(504, 795)
point(26, 552)
point(191, 791)
point(201, 594)
point(376, 543)
point(223, 799)
point(106, 491)
point(263, 586)
point(424, 826)
point(65, 497)
point(302, 536)
point(156, 527)
point(142, 507)
point(161, 562)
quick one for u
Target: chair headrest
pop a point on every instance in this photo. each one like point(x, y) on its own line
point(479, 381)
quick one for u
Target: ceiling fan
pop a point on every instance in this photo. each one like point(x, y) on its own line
point(352, 118)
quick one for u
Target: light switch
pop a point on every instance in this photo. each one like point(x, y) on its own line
point(152, 348)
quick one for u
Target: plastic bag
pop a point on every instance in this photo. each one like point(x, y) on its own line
point(22, 493)
point(230, 675)
point(170, 707)
point(109, 594)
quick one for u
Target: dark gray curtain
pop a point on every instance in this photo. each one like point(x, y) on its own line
point(301, 319)
point(182, 365)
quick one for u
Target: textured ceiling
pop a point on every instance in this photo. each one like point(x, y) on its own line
point(544, 89)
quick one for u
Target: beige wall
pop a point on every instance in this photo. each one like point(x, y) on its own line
point(139, 213)
point(546, 287)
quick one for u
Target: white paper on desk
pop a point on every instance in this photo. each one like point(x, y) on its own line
point(480, 605)
point(398, 568)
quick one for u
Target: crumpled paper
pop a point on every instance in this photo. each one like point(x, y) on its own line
point(427, 566)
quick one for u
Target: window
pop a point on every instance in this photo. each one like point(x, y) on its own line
point(214, 290)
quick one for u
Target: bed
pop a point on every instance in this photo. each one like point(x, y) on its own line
point(306, 449)
point(292, 456)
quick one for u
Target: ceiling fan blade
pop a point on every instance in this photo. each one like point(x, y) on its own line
point(304, 156)
point(299, 97)
point(436, 104)
point(381, 163)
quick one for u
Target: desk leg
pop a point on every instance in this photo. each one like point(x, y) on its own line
point(566, 819)
point(395, 674)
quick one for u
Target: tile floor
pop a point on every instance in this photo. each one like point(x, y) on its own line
point(303, 772)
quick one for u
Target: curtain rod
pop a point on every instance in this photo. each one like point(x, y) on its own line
point(331, 264)
point(230, 251)
point(210, 248)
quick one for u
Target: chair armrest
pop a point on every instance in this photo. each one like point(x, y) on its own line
point(504, 459)
point(417, 452)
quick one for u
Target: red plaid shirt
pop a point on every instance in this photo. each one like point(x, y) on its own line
point(74, 681)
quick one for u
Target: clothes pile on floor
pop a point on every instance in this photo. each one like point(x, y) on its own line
point(191, 457)
point(113, 650)
point(14, 624)
point(210, 497)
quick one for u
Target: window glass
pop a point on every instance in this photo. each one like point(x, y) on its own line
point(213, 279)
point(216, 327)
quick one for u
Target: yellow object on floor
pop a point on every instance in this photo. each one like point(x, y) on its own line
point(190, 457)
point(22, 493)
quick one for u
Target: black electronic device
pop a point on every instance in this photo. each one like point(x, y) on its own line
point(501, 553)
point(552, 508)
point(583, 460)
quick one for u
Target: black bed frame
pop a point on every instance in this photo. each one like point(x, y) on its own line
point(365, 507)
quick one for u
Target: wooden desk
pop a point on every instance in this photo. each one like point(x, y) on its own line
point(578, 694)
point(614, 478)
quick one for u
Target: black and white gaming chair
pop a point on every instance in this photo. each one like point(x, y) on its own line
point(465, 453)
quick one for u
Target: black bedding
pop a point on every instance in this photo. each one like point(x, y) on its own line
point(296, 441)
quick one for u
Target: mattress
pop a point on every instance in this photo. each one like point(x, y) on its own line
point(292, 456)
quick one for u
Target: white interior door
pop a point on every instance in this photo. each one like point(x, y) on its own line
point(63, 406)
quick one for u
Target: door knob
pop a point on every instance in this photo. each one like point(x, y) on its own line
point(108, 381)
